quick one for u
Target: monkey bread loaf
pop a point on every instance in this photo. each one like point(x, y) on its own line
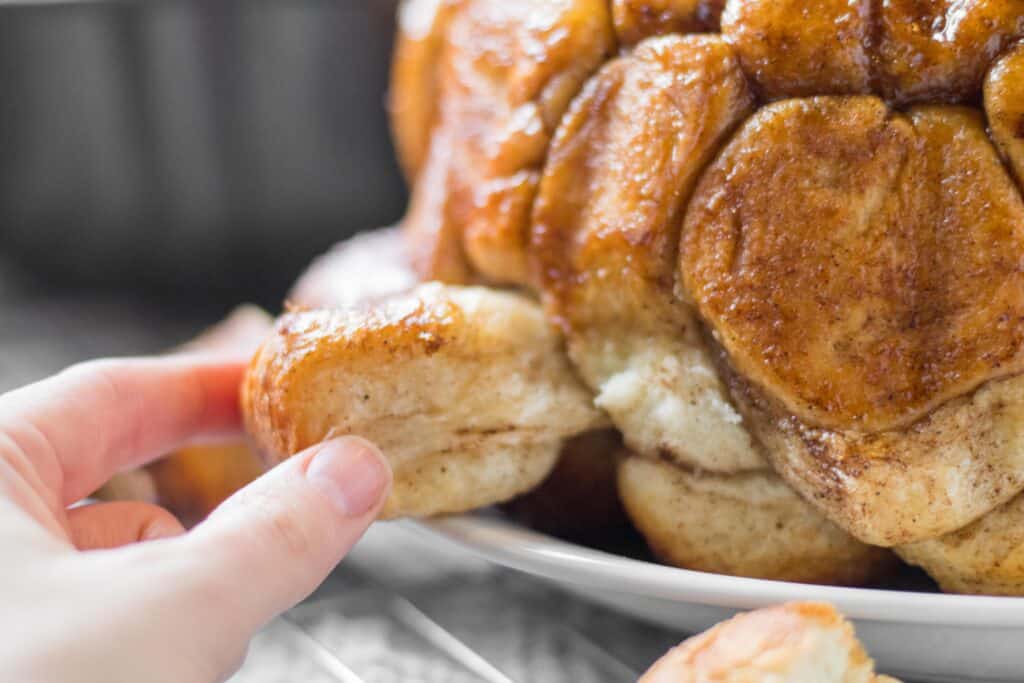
point(782, 243)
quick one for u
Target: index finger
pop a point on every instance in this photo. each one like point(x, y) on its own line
point(80, 427)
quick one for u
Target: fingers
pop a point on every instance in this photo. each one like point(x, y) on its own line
point(80, 427)
point(111, 525)
point(273, 542)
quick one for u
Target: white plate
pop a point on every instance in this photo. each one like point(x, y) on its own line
point(916, 635)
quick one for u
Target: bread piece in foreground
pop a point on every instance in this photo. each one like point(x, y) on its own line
point(750, 524)
point(466, 390)
point(800, 642)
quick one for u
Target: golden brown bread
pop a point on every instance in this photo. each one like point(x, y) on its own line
point(906, 51)
point(896, 487)
point(939, 50)
point(748, 524)
point(801, 642)
point(499, 84)
point(466, 390)
point(191, 482)
point(795, 48)
point(605, 234)
point(415, 75)
point(855, 342)
point(638, 19)
point(867, 316)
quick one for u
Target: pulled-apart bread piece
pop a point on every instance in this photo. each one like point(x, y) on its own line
point(466, 390)
point(749, 524)
point(605, 244)
point(800, 642)
point(874, 355)
point(985, 557)
point(905, 51)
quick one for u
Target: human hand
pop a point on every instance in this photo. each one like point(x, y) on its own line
point(118, 591)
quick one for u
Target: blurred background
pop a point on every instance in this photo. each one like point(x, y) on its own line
point(162, 161)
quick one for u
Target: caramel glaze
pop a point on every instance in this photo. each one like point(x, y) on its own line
point(505, 75)
point(861, 266)
point(907, 51)
point(638, 19)
point(623, 164)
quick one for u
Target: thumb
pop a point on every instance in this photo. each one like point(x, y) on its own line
point(273, 542)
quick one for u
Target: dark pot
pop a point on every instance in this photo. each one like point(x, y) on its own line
point(200, 145)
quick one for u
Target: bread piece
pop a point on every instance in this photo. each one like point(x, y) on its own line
point(800, 642)
point(938, 51)
point(605, 243)
point(466, 390)
point(639, 19)
point(875, 355)
point(415, 78)
point(748, 524)
point(503, 78)
point(794, 48)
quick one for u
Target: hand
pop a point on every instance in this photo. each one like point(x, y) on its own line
point(118, 591)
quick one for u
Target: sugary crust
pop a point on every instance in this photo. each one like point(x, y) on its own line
point(748, 524)
point(861, 266)
point(497, 88)
point(604, 244)
point(415, 65)
point(796, 48)
point(443, 379)
point(905, 51)
point(938, 51)
point(797, 643)
point(636, 20)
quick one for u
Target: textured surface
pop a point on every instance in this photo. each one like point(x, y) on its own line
point(466, 389)
point(748, 524)
point(494, 93)
point(606, 228)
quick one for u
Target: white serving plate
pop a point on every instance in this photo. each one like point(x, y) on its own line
point(916, 635)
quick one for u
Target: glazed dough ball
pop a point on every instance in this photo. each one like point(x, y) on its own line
point(748, 524)
point(467, 391)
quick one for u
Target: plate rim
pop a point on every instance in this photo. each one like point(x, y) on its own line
point(511, 545)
